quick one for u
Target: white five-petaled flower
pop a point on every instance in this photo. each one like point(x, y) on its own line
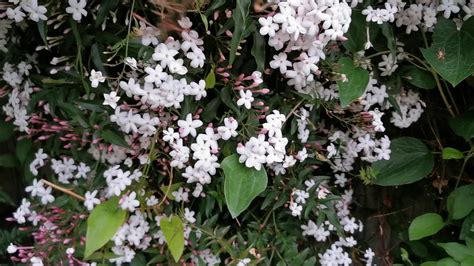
point(246, 99)
point(76, 8)
point(129, 202)
point(95, 78)
point(91, 200)
point(111, 99)
point(189, 126)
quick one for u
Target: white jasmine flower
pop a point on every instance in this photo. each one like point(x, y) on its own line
point(111, 99)
point(91, 200)
point(188, 126)
point(189, 215)
point(246, 99)
point(76, 8)
point(128, 202)
point(95, 78)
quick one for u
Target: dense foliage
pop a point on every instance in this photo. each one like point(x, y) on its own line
point(287, 132)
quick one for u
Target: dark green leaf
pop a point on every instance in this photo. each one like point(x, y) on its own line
point(114, 138)
point(425, 225)
point(105, 7)
point(463, 125)
point(6, 199)
point(23, 148)
point(43, 31)
point(356, 35)
point(451, 53)
point(8, 161)
point(410, 161)
point(418, 77)
point(102, 224)
point(240, 16)
point(6, 131)
point(258, 50)
point(356, 83)
point(97, 58)
point(241, 184)
point(467, 229)
point(461, 202)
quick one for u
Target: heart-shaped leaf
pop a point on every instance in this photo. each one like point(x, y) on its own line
point(355, 83)
point(463, 125)
point(173, 230)
point(461, 202)
point(102, 224)
point(242, 184)
point(451, 53)
point(410, 161)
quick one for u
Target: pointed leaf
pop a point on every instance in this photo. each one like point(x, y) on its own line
point(211, 79)
point(458, 251)
point(102, 224)
point(410, 161)
point(242, 184)
point(241, 24)
point(114, 138)
point(173, 230)
point(461, 202)
point(356, 83)
point(451, 53)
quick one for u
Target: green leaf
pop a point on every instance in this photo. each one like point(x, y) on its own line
point(417, 77)
point(211, 79)
point(451, 53)
point(452, 153)
point(242, 184)
point(356, 35)
point(173, 230)
point(210, 110)
point(467, 229)
point(442, 262)
point(105, 7)
point(23, 148)
point(226, 97)
point(463, 125)
point(461, 202)
point(114, 138)
point(357, 80)
point(469, 261)
point(102, 224)
point(456, 250)
point(425, 225)
point(258, 50)
point(172, 189)
point(213, 5)
point(387, 31)
point(6, 199)
point(8, 161)
point(97, 58)
point(410, 161)
point(240, 16)
point(43, 31)
point(6, 131)
point(205, 21)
